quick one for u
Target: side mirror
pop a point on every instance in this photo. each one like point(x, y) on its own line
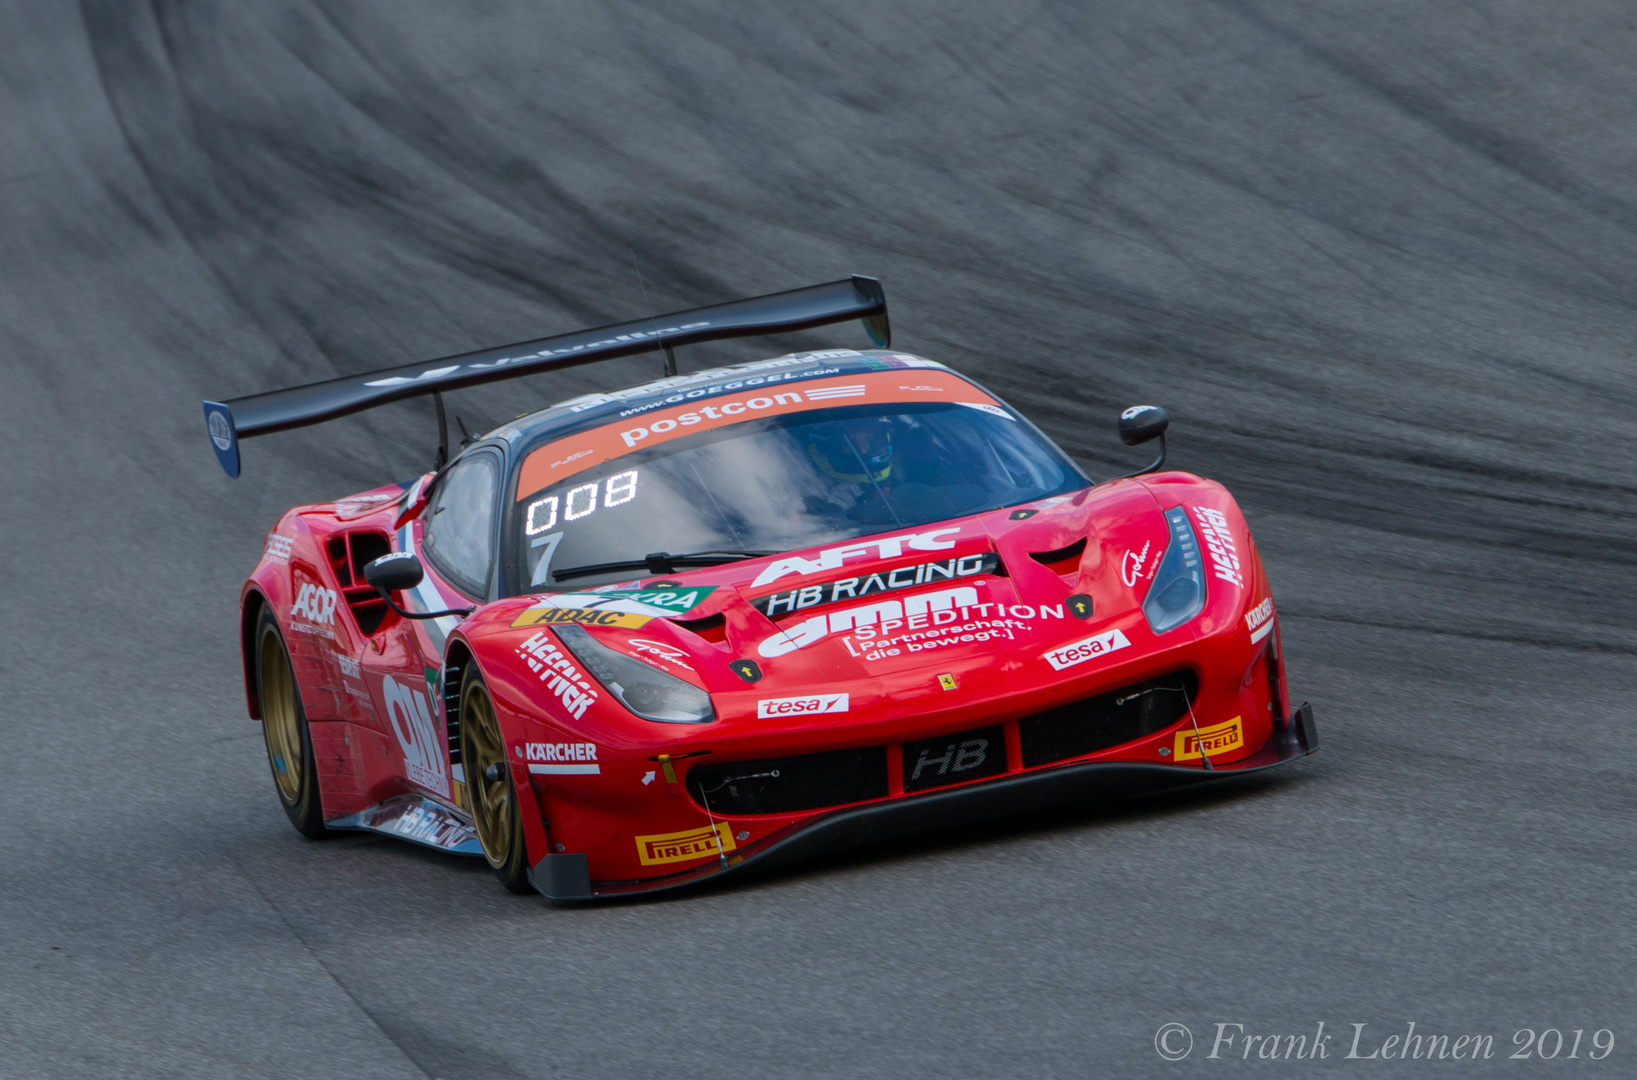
point(1142, 423)
point(402, 570)
point(394, 571)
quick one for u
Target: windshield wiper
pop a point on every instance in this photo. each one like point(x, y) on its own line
point(660, 562)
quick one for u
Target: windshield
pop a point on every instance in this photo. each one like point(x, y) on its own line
point(776, 483)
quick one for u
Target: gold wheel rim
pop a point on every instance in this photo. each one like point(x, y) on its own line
point(280, 719)
point(491, 799)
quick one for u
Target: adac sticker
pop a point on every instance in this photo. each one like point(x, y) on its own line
point(628, 609)
point(537, 616)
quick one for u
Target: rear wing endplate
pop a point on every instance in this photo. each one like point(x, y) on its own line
point(798, 309)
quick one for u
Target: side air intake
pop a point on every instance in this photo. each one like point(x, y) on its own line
point(1107, 720)
point(791, 784)
point(348, 555)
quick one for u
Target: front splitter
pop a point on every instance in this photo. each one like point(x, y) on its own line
point(565, 877)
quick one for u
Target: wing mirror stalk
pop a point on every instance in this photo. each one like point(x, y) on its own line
point(402, 570)
point(1144, 423)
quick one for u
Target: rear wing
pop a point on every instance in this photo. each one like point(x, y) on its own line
point(798, 309)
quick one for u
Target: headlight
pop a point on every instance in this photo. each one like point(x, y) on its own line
point(651, 694)
point(1178, 591)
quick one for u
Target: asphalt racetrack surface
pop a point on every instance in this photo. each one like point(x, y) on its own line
point(1378, 260)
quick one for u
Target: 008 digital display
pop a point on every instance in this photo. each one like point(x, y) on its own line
point(580, 502)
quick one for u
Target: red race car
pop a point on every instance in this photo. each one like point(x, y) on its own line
point(726, 619)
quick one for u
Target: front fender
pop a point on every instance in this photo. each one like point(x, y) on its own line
point(268, 585)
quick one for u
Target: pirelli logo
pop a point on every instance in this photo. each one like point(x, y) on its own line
point(582, 617)
point(1213, 740)
point(701, 843)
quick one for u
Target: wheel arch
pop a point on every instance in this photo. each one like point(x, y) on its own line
point(459, 657)
point(250, 609)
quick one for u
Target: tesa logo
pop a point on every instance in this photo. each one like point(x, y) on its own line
point(801, 706)
point(1086, 649)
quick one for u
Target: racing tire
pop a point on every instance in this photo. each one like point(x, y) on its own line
point(284, 730)
point(495, 811)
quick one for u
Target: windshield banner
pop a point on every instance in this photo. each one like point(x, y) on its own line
point(558, 460)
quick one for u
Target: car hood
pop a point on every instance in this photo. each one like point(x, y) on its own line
point(955, 611)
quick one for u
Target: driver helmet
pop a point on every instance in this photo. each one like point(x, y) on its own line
point(855, 451)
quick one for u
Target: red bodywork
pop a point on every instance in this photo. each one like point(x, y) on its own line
point(614, 788)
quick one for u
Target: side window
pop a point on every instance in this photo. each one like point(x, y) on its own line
point(460, 523)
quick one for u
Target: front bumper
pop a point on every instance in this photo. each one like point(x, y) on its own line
point(566, 877)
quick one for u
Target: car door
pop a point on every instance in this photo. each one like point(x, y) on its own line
point(456, 537)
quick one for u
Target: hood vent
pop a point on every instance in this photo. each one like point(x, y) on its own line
point(1064, 562)
point(713, 628)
